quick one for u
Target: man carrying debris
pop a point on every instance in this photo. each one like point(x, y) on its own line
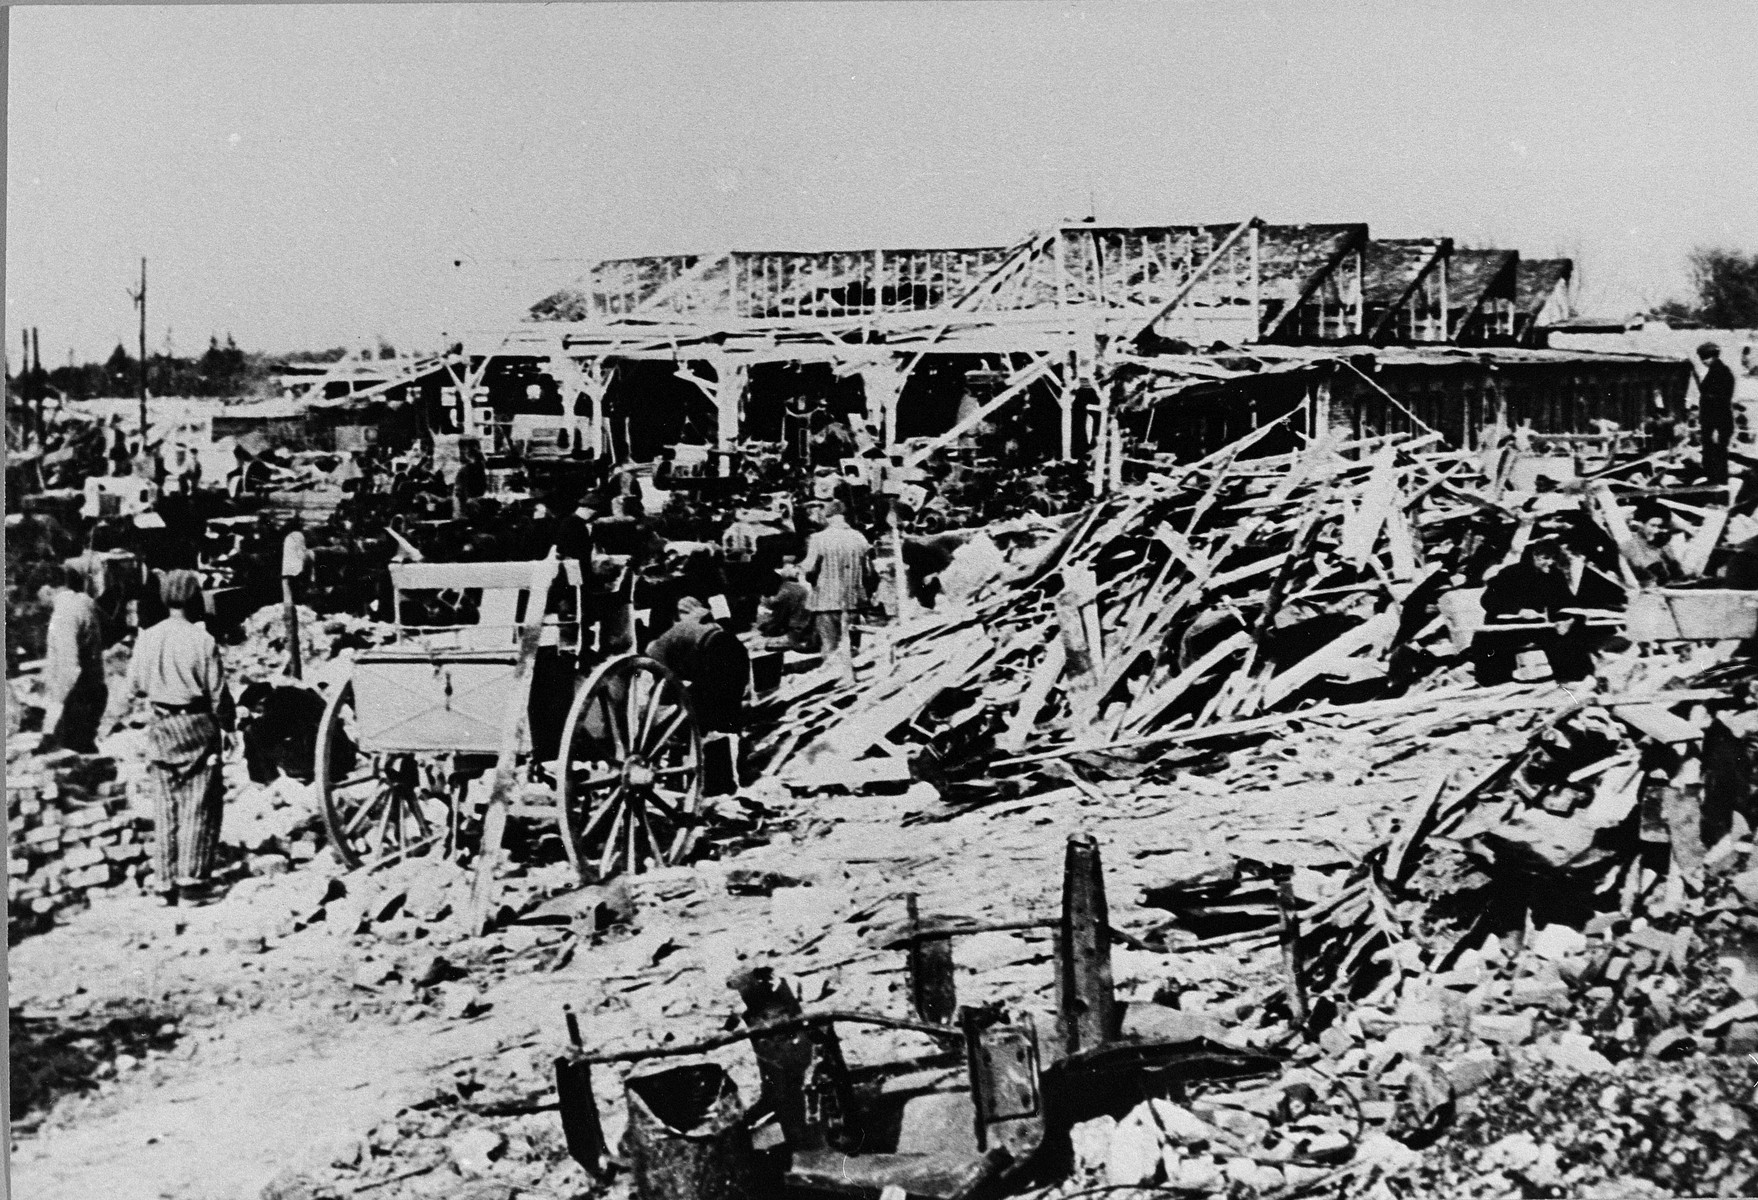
point(176, 665)
point(711, 661)
point(836, 566)
point(73, 675)
point(1525, 608)
point(1715, 411)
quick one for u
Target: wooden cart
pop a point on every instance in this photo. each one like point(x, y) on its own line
point(449, 729)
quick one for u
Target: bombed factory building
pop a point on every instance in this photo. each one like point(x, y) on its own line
point(1174, 335)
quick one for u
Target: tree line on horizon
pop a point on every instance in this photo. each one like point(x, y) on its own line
point(224, 370)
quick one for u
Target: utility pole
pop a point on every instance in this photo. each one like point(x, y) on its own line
point(24, 385)
point(38, 382)
point(140, 302)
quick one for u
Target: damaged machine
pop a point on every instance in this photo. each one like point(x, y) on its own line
point(989, 1111)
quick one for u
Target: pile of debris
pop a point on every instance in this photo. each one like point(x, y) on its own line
point(262, 652)
point(1177, 611)
point(71, 834)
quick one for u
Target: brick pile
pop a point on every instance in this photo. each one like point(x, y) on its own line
point(72, 833)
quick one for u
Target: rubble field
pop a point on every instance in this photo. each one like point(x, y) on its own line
point(1500, 941)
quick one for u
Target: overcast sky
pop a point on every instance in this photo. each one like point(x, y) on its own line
point(313, 176)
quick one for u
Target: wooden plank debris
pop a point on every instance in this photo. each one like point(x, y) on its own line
point(1227, 598)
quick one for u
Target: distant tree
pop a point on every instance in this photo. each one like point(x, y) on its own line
point(119, 369)
point(386, 350)
point(225, 370)
point(1726, 286)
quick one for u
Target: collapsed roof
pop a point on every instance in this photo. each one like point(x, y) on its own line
point(1240, 283)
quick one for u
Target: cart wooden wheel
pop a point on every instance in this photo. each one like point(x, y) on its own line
point(377, 806)
point(630, 771)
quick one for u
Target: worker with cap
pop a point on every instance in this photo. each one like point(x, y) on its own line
point(710, 661)
point(176, 666)
point(1715, 411)
point(785, 620)
point(73, 672)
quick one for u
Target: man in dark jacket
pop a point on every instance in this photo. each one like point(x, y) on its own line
point(712, 663)
point(280, 724)
point(785, 621)
point(1715, 411)
point(471, 482)
point(573, 533)
point(1534, 595)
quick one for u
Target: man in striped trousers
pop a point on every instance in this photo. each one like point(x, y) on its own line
point(176, 665)
point(836, 563)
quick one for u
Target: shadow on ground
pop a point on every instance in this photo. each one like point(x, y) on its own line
point(53, 1056)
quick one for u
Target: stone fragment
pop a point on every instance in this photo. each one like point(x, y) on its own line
point(1650, 938)
point(1133, 1158)
point(1746, 884)
point(288, 1185)
point(1503, 1029)
point(1575, 1052)
point(1539, 991)
point(1722, 1120)
point(1091, 1141)
point(1555, 943)
point(1670, 1043)
point(1745, 1010)
point(1246, 1129)
point(1199, 1173)
point(1472, 1070)
point(1182, 1125)
point(1377, 1149)
point(474, 1150)
point(1160, 1023)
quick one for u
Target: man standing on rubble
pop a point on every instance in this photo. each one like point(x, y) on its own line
point(836, 566)
point(73, 674)
point(1715, 411)
point(176, 665)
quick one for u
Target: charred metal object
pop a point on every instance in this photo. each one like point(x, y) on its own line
point(942, 1127)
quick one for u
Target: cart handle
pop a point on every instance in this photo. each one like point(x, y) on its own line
point(766, 1029)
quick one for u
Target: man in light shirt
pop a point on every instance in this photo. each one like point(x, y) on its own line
point(176, 665)
point(73, 674)
point(836, 565)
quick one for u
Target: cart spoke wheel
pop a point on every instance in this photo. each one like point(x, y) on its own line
point(378, 806)
point(630, 771)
